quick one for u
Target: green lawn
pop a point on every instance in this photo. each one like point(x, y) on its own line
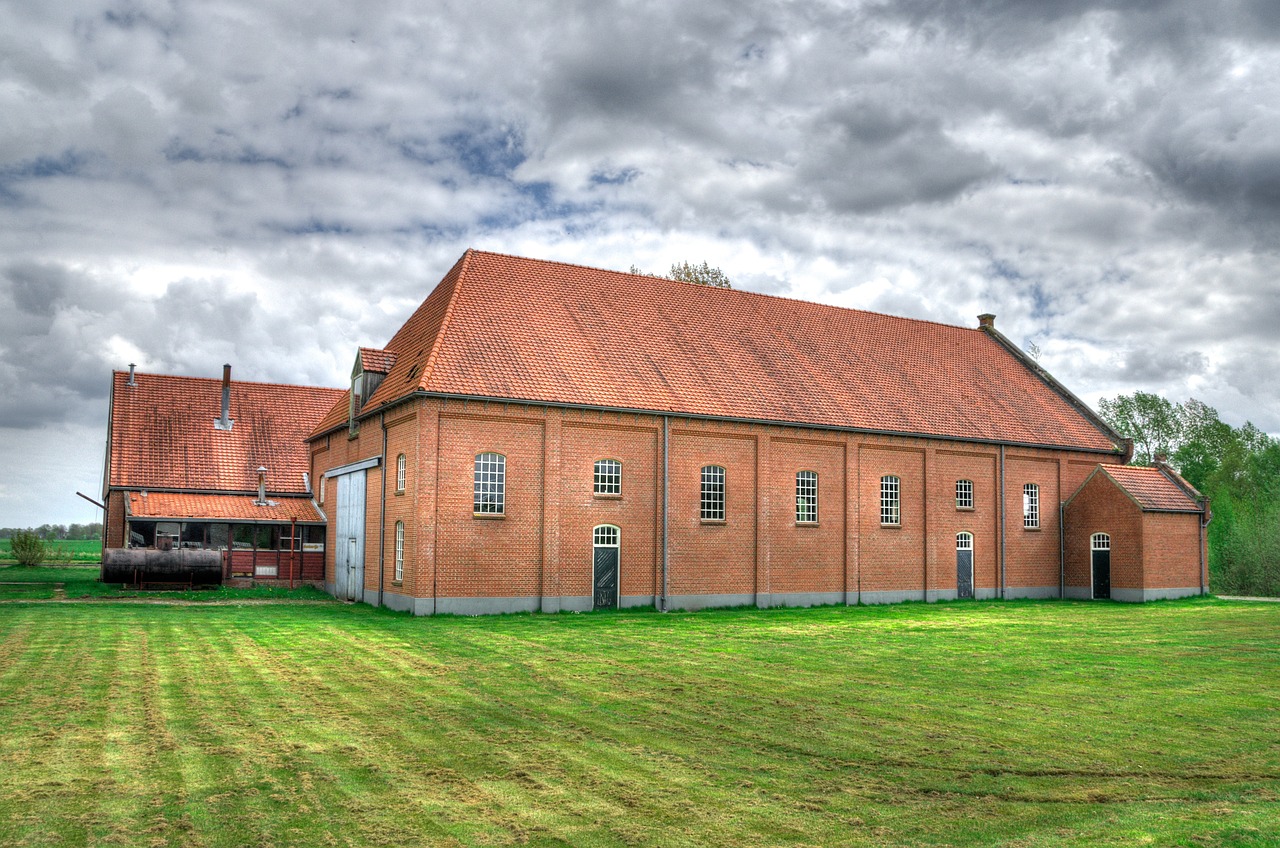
point(82, 582)
point(1024, 723)
point(60, 550)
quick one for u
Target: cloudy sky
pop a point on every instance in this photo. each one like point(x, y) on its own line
point(272, 184)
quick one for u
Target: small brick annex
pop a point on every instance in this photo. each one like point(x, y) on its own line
point(1135, 534)
point(550, 368)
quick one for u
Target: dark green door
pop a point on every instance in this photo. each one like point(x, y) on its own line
point(1100, 548)
point(964, 565)
point(604, 593)
point(1102, 574)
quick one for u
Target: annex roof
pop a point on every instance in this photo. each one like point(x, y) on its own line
point(509, 328)
point(377, 361)
point(1152, 489)
point(162, 434)
point(179, 505)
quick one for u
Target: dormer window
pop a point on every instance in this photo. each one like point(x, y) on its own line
point(370, 369)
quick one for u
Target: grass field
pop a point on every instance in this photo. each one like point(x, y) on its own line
point(60, 550)
point(78, 581)
point(1022, 723)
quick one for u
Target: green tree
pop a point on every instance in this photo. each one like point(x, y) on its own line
point(1154, 424)
point(687, 272)
point(27, 547)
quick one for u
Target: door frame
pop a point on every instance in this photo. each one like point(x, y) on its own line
point(973, 590)
point(1094, 538)
point(617, 565)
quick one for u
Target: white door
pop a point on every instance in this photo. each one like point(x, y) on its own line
point(349, 548)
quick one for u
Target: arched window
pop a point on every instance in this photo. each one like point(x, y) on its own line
point(1100, 542)
point(399, 550)
point(964, 494)
point(964, 541)
point(605, 536)
point(1031, 506)
point(491, 484)
point(713, 484)
point(806, 497)
point(401, 463)
point(608, 477)
point(890, 509)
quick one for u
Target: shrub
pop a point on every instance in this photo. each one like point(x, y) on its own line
point(27, 547)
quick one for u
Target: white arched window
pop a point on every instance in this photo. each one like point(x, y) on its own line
point(890, 503)
point(1031, 506)
point(608, 477)
point(713, 486)
point(964, 541)
point(806, 497)
point(1100, 542)
point(491, 484)
point(399, 550)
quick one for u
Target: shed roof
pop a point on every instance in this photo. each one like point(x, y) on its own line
point(509, 328)
point(1154, 489)
point(162, 434)
point(180, 505)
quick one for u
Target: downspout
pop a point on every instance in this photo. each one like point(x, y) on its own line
point(1062, 550)
point(382, 512)
point(1002, 522)
point(1206, 517)
point(666, 497)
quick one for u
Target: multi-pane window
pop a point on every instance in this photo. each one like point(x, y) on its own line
point(806, 497)
point(491, 484)
point(964, 541)
point(1100, 542)
point(399, 550)
point(322, 479)
point(401, 463)
point(712, 493)
point(1030, 506)
point(606, 536)
point(890, 489)
point(608, 477)
point(964, 494)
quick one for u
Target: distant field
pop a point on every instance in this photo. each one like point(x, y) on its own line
point(963, 724)
point(61, 550)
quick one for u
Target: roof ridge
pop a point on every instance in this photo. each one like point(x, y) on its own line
point(218, 381)
point(461, 267)
point(728, 292)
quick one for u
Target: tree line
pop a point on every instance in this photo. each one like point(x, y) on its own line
point(1238, 468)
point(53, 532)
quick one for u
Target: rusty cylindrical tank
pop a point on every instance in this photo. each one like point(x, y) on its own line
point(183, 566)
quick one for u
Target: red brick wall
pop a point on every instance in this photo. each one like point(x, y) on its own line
point(1102, 507)
point(542, 545)
point(113, 533)
point(980, 466)
point(1170, 545)
point(489, 557)
point(806, 557)
point(712, 558)
point(584, 439)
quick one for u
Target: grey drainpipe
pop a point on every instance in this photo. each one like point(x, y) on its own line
point(382, 517)
point(1002, 527)
point(1062, 550)
point(1205, 517)
point(666, 497)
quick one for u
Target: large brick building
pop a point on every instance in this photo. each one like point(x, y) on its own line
point(541, 436)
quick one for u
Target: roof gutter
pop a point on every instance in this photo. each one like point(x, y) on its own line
point(728, 419)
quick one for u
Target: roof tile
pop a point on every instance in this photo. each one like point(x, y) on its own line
point(219, 507)
point(1151, 488)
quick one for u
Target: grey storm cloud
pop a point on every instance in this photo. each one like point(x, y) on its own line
point(272, 184)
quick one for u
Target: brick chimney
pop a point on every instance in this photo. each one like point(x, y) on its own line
point(986, 321)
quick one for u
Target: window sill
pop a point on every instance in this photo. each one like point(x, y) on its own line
point(399, 493)
point(807, 524)
point(964, 509)
point(884, 526)
point(397, 582)
point(713, 521)
point(601, 497)
point(489, 516)
point(1032, 529)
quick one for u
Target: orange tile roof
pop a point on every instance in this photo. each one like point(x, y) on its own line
point(522, 329)
point(162, 434)
point(377, 361)
point(1151, 488)
point(219, 507)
